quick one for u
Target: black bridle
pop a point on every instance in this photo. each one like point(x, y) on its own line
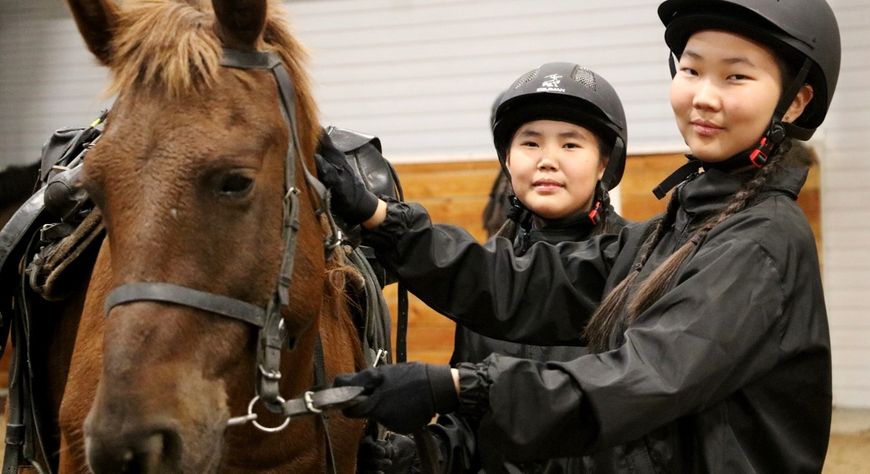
point(272, 337)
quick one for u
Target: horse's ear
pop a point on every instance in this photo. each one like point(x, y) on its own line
point(241, 22)
point(96, 20)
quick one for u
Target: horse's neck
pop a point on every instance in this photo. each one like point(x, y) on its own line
point(301, 362)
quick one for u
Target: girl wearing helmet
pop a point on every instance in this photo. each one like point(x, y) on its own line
point(711, 346)
point(563, 148)
point(554, 144)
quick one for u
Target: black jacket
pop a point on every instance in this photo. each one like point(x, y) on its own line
point(729, 371)
point(470, 346)
point(456, 433)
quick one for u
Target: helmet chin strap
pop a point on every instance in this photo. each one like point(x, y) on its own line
point(778, 131)
point(760, 155)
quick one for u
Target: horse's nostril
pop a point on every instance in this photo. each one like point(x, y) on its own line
point(171, 448)
point(157, 452)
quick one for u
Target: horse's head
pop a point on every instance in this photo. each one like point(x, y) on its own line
point(190, 177)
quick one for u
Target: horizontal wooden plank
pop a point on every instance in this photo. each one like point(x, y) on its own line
point(428, 168)
point(429, 357)
point(456, 184)
point(433, 338)
point(642, 174)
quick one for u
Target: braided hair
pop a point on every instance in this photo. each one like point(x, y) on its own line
point(621, 308)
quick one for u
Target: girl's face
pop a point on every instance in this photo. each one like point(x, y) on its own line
point(724, 93)
point(554, 167)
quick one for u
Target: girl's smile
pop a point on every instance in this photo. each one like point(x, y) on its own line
point(705, 128)
point(547, 186)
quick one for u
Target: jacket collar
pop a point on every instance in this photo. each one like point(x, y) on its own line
point(710, 190)
point(572, 228)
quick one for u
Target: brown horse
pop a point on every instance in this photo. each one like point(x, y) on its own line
point(189, 177)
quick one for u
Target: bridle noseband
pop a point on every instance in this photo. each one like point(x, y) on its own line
point(272, 337)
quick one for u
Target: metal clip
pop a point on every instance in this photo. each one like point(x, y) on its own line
point(380, 356)
point(291, 192)
point(273, 375)
point(335, 240)
point(309, 402)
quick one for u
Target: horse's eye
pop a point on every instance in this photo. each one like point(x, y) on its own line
point(235, 185)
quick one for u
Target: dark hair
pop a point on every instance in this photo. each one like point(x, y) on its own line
point(620, 308)
point(495, 213)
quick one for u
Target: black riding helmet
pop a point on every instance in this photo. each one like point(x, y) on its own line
point(569, 93)
point(804, 33)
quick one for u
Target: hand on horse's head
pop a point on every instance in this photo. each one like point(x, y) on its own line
point(351, 200)
point(402, 397)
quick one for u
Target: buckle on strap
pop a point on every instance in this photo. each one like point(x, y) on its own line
point(314, 402)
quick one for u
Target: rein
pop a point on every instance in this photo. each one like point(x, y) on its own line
point(272, 337)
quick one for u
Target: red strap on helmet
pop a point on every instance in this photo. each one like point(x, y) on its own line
point(759, 155)
point(595, 213)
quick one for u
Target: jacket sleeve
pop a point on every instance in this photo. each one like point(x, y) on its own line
point(488, 288)
point(713, 333)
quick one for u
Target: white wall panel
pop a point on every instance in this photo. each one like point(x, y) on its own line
point(48, 80)
point(845, 216)
point(377, 63)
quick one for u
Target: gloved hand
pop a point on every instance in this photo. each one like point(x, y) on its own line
point(402, 397)
point(396, 454)
point(350, 199)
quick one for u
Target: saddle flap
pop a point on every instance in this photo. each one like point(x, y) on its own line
point(365, 154)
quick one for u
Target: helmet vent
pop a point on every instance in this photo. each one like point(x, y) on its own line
point(525, 79)
point(584, 76)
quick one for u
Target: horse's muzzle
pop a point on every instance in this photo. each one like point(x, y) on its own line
point(152, 451)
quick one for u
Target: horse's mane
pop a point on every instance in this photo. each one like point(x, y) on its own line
point(172, 48)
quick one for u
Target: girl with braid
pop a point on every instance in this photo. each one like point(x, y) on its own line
point(710, 348)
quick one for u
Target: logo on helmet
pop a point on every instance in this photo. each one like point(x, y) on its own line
point(551, 84)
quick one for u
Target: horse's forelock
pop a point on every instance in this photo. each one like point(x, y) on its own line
point(165, 46)
point(171, 48)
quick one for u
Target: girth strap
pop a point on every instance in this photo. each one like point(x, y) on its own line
point(169, 293)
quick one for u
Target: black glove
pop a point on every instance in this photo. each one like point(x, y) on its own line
point(402, 397)
point(350, 199)
point(396, 454)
